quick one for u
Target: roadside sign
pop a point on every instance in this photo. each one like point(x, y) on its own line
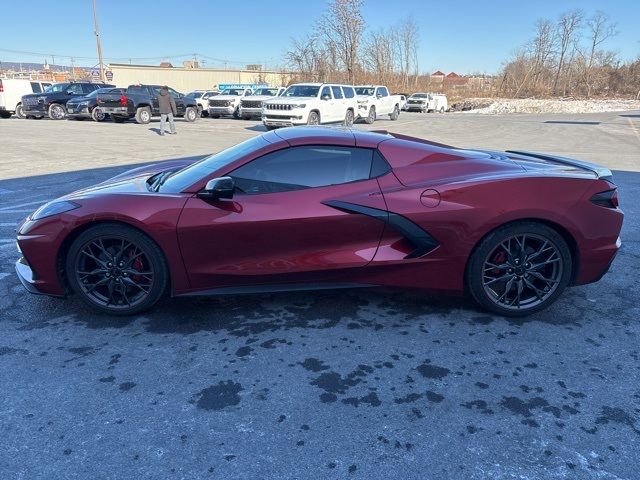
point(95, 74)
point(109, 75)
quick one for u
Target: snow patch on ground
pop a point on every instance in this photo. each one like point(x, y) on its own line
point(525, 105)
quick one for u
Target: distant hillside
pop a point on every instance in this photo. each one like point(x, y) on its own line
point(28, 66)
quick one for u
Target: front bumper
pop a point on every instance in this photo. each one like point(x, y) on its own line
point(251, 112)
point(221, 110)
point(73, 112)
point(273, 120)
point(417, 107)
point(26, 276)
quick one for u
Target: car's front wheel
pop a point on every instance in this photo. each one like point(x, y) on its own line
point(519, 269)
point(348, 118)
point(116, 269)
point(371, 117)
point(314, 118)
point(56, 111)
point(20, 111)
point(143, 115)
point(395, 114)
point(190, 114)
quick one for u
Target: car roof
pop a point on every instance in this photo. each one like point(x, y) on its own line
point(331, 136)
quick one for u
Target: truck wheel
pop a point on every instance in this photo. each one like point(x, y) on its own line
point(236, 113)
point(348, 118)
point(441, 109)
point(143, 115)
point(56, 111)
point(190, 114)
point(20, 111)
point(395, 114)
point(214, 115)
point(5, 114)
point(371, 117)
point(246, 117)
point(118, 119)
point(98, 115)
point(314, 119)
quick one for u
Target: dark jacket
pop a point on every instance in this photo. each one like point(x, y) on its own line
point(166, 103)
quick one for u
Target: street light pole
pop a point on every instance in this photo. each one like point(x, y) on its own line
point(97, 32)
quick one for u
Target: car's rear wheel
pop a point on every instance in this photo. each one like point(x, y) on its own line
point(143, 115)
point(116, 269)
point(371, 117)
point(236, 113)
point(56, 111)
point(395, 114)
point(20, 111)
point(5, 114)
point(519, 269)
point(349, 118)
point(190, 114)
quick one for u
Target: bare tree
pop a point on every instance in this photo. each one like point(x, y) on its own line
point(378, 54)
point(342, 26)
point(599, 29)
point(568, 29)
point(407, 38)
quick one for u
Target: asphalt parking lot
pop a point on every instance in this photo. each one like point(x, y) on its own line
point(348, 384)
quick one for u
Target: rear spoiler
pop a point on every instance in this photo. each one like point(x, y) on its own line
point(599, 171)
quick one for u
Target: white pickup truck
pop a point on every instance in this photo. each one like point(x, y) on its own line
point(228, 102)
point(251, 106)
point(427, 102)
point(311, 104)
point(374, 100)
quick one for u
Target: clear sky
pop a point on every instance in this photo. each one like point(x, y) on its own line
point(461, 35)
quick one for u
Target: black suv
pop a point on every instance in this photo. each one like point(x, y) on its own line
point(52, 102)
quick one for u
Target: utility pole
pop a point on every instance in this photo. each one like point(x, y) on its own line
point(97, 32)
point(73, 75)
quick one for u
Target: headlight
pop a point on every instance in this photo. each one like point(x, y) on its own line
point(301, 105)
point(53, 208)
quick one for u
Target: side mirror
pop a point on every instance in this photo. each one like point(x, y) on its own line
point(325, 97)
point(221, 187)
point(69, 92)
point(379, 95)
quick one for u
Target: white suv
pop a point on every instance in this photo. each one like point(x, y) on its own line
point(311, 104)
point(251, 106)
point(202, 99)
point(12, 91)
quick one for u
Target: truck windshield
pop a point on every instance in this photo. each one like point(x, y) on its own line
point(189, 175)
point(301, 91)
point(58, 87)
point(420, 95)
point(364, 91)
point(272, 92)
point(194, 94)
point(232, 91)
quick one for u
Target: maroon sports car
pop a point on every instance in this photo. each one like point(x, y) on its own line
point(321, 208)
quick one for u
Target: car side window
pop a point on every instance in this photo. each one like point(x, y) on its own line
point(87, 88)
point(382, 92)
point(303, 167)
point(173, 93)
point(75, 88)
point(348, 92)
point(337, 92)
point(35, 87)
point(326, 91)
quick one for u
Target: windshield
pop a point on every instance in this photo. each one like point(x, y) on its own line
point(233, 91)
point(58, 87)
point(365, 91)
point(194, 94)
point(301, 91)
point(205, 167)
point(420, 95)
point(102, 90)
point(272, 92)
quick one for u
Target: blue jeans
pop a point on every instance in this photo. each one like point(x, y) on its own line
point(163, 119)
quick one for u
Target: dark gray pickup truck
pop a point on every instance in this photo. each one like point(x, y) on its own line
point(141, 102)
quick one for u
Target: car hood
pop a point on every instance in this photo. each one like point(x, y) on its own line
point(131, 181)
point(226, 97)
point(291, 100)
point(258, 97)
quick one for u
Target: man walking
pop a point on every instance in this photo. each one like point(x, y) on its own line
point(167, 106)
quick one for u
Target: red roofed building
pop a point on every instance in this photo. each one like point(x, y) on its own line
point(437, 73)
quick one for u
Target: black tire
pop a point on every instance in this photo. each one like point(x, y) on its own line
point(143, 115)
point(246, 117)
point(236, 113)
point(118, 119)
point(214, 115)
point(441, 110)
point(190, 114)
point(20, 111)
point(57, 112)
point(314, 118)
point(371, 117)
point(349, 118)
point(490, 266)
point(5, 114)
point(114, 250)
point(395, 114)
point(98, 115)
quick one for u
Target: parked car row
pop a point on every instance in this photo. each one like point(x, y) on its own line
point(298, 104)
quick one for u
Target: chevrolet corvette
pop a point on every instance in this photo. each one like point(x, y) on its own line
point(310, 208)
